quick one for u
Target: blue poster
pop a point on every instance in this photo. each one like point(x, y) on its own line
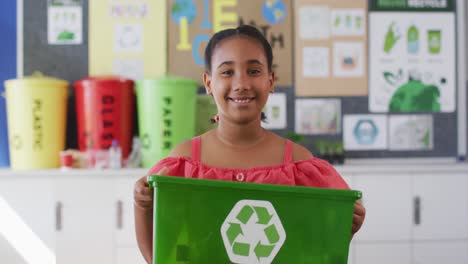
point(7, 68)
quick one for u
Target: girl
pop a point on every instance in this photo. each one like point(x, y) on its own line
point(238, 74)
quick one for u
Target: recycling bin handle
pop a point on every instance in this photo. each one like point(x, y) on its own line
point(58, 216)
point(119, 214)
point(417, 210)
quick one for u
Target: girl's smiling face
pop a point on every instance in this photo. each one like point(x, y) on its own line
point(240, 80)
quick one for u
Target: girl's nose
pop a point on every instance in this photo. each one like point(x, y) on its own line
point(241, 82)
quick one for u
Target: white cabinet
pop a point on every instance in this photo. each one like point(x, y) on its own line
point(441, 252)
point(85, 214)
point(382, 253)
point(125, 222)
point(387, 199)
point(126, 248)
point(442, 206)
point(26, 221)
point(418, 217)
point(130, 255)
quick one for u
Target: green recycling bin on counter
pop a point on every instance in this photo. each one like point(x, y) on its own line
point(166, 115)
point(200, 221)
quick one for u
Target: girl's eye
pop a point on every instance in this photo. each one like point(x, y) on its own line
point(227, 72)
point(254, 72)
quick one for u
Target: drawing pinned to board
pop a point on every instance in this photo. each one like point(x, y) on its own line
point(274, 11)
point(128, 38)
point(413, 39)
point(418, 76)
point(314, 22)
point(65, 22)
point(132, 68)
point(416, 96)
point(184, 9)
point(318, 116)
point(391, 37)
point(119, 10)
point(275, 111)
point(413, 132)
point(348, 59)
point(365, 132)
point(316, 62)
point(348, 22)
point(434, 41)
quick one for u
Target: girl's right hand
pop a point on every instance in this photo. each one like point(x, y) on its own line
point(143, 194)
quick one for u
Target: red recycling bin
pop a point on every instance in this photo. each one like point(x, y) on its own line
point(104, 107)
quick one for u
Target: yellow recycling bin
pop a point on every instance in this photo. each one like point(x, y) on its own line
point(36, 113)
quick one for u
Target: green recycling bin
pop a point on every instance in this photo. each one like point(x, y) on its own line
point(206, 110)
point(166, 115)
point(230, 222)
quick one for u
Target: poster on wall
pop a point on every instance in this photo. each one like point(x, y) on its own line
point(127, 38)
point(275, 111)
point(412, 57)
point(65, 22)
point(318, 116)
point(365, 132)
point(411, 132)
point(191, 23)
point(330, 48)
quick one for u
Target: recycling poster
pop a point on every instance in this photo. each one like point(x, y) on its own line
point(127, 38)
point(412, 56)
point(191, 23)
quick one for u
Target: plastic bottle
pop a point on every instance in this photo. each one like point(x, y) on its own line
point(115, 155)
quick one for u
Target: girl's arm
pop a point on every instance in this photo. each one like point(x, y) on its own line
point(358, 216)
point(143, 206)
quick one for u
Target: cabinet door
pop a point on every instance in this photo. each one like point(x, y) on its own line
point(387, 199)
point(382, 253)
point(443, 206)
point(26, 220)
point(351, 253)
point(440, 252)
point(85, 209)
point(125, 222)
point(129, 255)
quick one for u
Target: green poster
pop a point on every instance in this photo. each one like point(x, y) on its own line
point(412, 5)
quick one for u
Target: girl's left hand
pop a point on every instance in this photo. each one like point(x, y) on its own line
point(358, 216)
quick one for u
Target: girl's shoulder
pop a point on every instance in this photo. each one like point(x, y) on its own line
point(297, 151)
point(300, 152)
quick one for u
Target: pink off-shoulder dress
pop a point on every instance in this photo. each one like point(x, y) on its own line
point(312, 172)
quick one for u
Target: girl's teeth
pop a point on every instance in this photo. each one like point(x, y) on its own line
point(242, 101)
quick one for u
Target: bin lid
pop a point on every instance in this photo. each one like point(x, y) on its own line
point(37, 78)
point(103, 80)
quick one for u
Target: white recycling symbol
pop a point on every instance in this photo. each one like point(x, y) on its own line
point(252, 232)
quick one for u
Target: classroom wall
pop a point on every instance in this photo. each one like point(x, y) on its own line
point(7, 67)
point(71, 63)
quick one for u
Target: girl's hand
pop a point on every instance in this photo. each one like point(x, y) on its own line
point(358, 216)
point(143, 194)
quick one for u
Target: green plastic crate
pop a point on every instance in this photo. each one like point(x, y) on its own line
point(206, 221)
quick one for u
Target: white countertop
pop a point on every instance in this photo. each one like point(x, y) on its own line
point(346, 169)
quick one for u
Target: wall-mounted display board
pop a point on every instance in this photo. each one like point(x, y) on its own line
point(413, 83)
point(191, 23)
point(330, 48)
